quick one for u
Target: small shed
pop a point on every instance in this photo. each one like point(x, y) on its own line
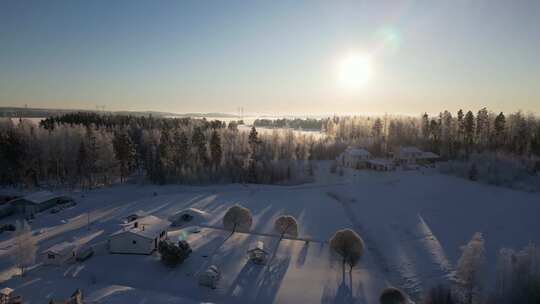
point(39, 201)
point(257, 254)
point(142, 236)
point(59, 254)
point(189, 216)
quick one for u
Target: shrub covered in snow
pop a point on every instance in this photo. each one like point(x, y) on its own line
point(237, 218)
point(495, 169)
point(174, 254)
point(470, 270)
point(518, 276)
point(439, 295)
point(392, 295)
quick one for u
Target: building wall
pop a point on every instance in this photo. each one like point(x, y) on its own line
point(131, 243)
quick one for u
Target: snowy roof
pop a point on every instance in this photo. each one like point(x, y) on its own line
point(61, 248)
point(357, 152)
point(428, 155)
point(149, 226)
point(40, 197)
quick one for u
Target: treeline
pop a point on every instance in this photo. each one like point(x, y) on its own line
point(88, 149)
point(297, 123)
point(453, 136)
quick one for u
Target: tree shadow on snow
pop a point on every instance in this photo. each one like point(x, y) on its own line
point(302, 255)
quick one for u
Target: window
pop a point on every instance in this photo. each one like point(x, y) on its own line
point(133, 242)
point(50, 256)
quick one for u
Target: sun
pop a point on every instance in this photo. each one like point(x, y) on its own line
point(354, 71)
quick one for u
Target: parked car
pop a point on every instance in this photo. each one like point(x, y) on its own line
point(7, 227)
point(210, 277)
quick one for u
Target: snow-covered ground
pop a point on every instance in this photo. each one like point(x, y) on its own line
point(413, 223)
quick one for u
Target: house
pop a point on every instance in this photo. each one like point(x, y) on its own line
point(257, 254)
point(354, 158)
point(141, 236)
point(410, 157)
point(189, 216)
point(59, 254)
point(38, 201)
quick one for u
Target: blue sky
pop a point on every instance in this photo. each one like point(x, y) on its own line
point(270, 56)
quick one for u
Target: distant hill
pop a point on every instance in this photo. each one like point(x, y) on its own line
point(44, 112)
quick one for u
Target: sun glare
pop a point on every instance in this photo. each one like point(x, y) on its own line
point(354, 71)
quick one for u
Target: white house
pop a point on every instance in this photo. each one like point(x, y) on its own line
point(38, 201)
point(189, 216)
point(141, 236)
point(59, 254)
point(411, 156)
point(354, 158)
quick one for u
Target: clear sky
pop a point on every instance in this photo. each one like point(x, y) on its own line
point(282, 57)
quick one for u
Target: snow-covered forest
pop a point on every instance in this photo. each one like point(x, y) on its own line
point(88, 149)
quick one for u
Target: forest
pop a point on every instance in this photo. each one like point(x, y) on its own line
point(87, 149)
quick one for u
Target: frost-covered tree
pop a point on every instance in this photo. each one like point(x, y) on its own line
point(286, 225)
point(349, 245)
point(392, 295)
point(237, 219)
point(25, 246)
point(470, 270)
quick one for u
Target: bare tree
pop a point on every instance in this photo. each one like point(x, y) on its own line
point(349, 245)
point(393, 295)
point(470, 269)
point(25, 246)
point(237, 219)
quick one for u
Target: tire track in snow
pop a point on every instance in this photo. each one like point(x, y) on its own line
point(399, 275)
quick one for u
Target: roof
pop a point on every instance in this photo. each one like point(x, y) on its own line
point(6, 291)
point(149, 226)
point(61, 248)
point(428, 155)
point(40, 197)
point(357, 152)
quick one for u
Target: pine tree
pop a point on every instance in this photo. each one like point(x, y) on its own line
point(469, 132)
point(181, 152)
point(198, 141)
point(215, 149)
point(499, 126)
point(124, 151)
